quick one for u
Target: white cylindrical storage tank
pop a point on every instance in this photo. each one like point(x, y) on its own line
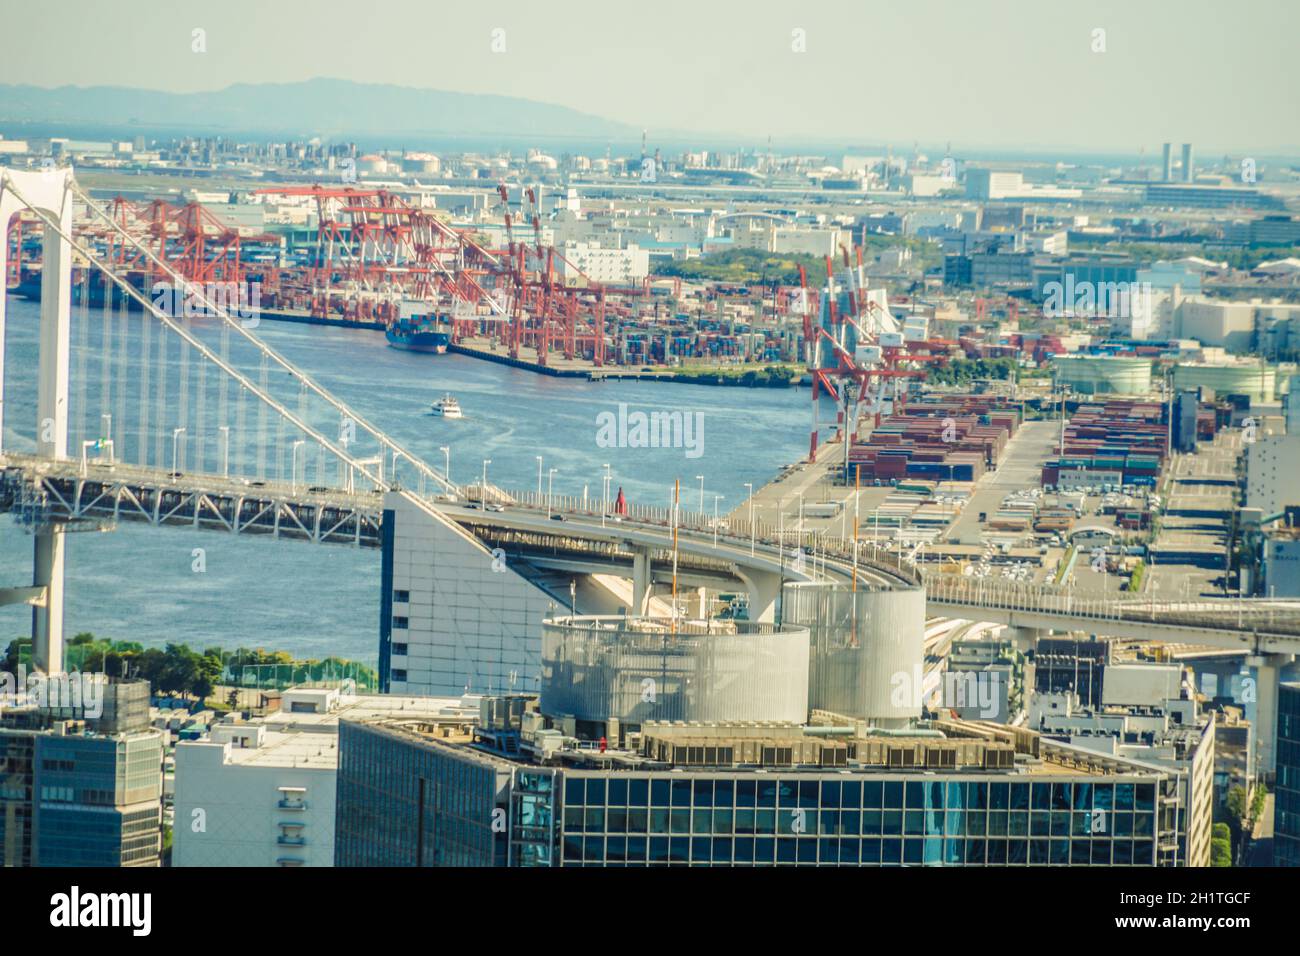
point(639, 669)
point(1104, 374)
point(866, 648)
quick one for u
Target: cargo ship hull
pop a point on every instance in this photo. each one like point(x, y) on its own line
point(418, 340)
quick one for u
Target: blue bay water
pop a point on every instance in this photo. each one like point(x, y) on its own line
point(137, 582)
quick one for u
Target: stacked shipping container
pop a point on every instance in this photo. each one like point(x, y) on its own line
point(949, 438)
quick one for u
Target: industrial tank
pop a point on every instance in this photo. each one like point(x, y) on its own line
point(866, 648)
point(1104, 374)
point(1255, 379)
point(639, 669)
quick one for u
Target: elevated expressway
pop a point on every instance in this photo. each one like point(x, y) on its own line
point(97, 496)
point(637, 546)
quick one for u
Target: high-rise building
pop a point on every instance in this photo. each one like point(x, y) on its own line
point(72, 795)
point(1189, 173)
point(1168, 167)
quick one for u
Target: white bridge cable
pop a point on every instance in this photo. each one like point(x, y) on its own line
point(146, 364)
point(187, 338)
point(122, 383)
point(387, 443)
point(83, 350)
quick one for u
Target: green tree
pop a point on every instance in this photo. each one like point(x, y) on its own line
point(1220, 845)
point(1236, 804)
point(13, 654)
point(209, 672)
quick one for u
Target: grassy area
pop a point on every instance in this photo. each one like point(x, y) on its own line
point(765, 376)
point(1066, 560)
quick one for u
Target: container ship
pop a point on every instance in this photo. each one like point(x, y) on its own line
point(420, 333)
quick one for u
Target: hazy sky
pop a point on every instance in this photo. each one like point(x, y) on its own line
point(1015, 73)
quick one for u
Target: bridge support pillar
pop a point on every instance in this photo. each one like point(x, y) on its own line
point(47, 617)
point(640, 580)
point(697, 603)
point(48, 192)
point(1268, 669)
point(1024, 638)
point(764, 592)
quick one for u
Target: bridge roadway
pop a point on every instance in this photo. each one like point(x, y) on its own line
point(583, 541)
point(586, 542)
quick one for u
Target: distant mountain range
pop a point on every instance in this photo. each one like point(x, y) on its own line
point(322, 107)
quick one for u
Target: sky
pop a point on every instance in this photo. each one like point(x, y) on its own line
point(1017, 74)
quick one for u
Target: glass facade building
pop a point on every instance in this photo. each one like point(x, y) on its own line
point(405, 800)
point(507, 812)
point(98, 800)
point(1286, 791)
point(17, 753)
point(762, 819)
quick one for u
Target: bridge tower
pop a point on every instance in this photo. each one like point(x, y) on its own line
point(48, 191)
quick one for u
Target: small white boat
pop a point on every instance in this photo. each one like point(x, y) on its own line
point(447, 407)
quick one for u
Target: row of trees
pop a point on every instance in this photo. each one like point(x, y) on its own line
point(1235, 820)
point(759, 267)
point(964, 371)
point(770, 376)
point(175, 669)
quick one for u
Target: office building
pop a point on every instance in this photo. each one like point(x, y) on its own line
point(1197, 196)
point(261, 792)
point(984, 680)
point(1286, 791)
point(1234, 752)
point(73, 796)
point(1272, 463)
point(1189, 170)
point(584, 261)
point(1167, 154)
point(1063, 664)
point(1147, 716)
point(1274, 230)
point(454, 617)
point(1186, 405)
point(955, 794)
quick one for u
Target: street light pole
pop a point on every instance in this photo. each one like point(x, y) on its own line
point(225, 450)
point(446, 468)
point(293, 466)
point(482, 488)
point(539, 477)
point(716, 499)
point(176, 437)
point(700, 479)
point(550, 477)
point(749, 488)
